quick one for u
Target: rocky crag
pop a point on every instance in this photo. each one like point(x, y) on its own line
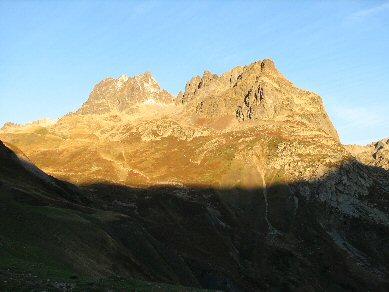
point(374, 154)
point(240, 182)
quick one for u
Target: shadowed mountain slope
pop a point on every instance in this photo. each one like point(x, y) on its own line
point(280, 237)
point(52, 238)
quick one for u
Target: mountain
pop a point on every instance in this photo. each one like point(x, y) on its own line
point(144, 136)
point(119, 95)
point(239, 183)
point(257, 93)
point(375, 154)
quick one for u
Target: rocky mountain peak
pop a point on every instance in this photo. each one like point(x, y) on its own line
point(212, 82)
point(256, 93)
point(268, 66)
point(264, 68)
point(120, 94)
point(9, 125)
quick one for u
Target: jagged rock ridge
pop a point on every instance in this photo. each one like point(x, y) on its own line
point(255, 93)
point(122, 93)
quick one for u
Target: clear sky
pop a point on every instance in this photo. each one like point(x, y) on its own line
point(53, 52)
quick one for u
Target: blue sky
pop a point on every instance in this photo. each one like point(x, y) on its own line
point(53, 52)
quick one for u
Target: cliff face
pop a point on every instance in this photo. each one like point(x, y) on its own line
point(249, 155)
point(255, 94)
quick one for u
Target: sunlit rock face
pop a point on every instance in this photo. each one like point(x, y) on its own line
point(122, 93)
point(243, 171)
point(254, 94)
point(374, 154)
point(220, 130)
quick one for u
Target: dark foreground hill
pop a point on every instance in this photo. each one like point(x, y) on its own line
point(57, 236)
point(52, 239)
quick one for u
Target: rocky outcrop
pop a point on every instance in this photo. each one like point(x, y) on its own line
point(374, 154)
point(9, 125)
point(257, 93)
point(120, 94)
point(35, 126)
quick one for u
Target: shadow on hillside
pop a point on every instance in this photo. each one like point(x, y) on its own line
point(327, 234)
point(324, 235)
